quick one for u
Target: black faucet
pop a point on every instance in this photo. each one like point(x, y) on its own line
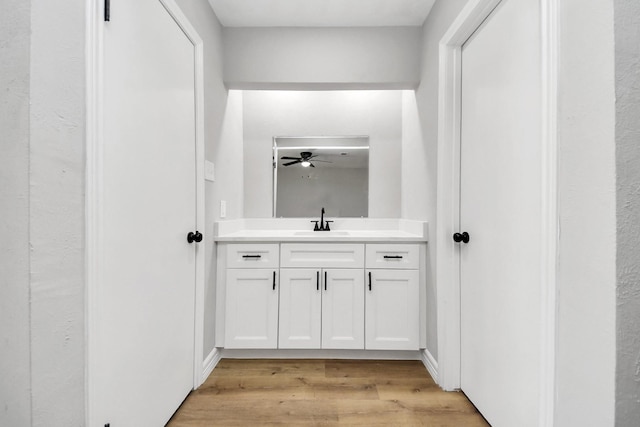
point(324, 225)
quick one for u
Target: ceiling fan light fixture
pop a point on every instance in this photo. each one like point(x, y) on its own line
point(305, 163)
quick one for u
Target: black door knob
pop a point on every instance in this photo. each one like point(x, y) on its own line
point(194, 237)
point(461, 237)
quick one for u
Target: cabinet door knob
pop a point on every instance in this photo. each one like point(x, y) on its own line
point(369, 280)
point(317, 280)
point(274, 280)
point(325, 280)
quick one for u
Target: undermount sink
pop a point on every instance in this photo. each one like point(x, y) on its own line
point(321, 233)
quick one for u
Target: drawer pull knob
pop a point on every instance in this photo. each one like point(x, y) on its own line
point(252, 256)
point(393, 257)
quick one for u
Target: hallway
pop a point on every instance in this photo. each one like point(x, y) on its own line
point(323, 392)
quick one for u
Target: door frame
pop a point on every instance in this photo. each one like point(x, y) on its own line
point(94, 197)
point(448, 196)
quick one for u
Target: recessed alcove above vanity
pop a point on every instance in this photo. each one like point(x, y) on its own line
point(359, 290)
point(312, 121)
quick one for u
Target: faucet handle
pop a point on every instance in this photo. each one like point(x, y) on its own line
point(327, 227)
point(316, 228)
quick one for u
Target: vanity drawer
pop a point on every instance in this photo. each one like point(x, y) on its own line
point(253, 255)
point(392, 256)
point(322, 255)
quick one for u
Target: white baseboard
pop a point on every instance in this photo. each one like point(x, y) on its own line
point(210, 363)
point(430, 363)
point(322, 354)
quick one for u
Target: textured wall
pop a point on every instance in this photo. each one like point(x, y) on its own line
point(206, 24)
point(57, 208)
point(627, 36)
point(15, 399)
point(336, 58)
point(585, 355)
point(420, 146)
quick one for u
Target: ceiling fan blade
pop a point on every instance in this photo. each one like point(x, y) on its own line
point(311, 164)
point(323, 161)
point(289, 158)
point(291, 163)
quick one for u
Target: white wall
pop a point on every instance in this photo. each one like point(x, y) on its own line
point(224, 149)
point(298, 113)
point(335, 58)
point(57, 212)
point(228, 157)
point(586, 197)
point(15, 397)
point(418, 164)
point(627, 35)
point(222, 125)
point(420, 147)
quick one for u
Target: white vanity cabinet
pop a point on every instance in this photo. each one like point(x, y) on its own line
point(321, 304)
point(392, 297)
point(251, 301)
point(321, 296)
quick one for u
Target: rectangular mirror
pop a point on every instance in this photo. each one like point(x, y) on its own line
point(311, 172)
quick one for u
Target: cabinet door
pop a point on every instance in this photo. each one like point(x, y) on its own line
point(251, 311)
point(300, 302)
point(392, 301)
point(343, 309)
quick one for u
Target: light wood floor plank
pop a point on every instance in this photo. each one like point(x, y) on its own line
point(323, 393)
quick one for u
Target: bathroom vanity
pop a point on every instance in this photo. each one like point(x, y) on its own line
point(282, 287)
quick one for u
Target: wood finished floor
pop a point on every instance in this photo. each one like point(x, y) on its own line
point(323, 393)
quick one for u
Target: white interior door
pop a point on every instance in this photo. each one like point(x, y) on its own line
point(500, 209)
point(145, 314)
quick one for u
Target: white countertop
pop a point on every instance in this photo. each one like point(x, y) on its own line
point(343, 230)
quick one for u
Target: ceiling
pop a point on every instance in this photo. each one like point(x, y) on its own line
point(321, 13)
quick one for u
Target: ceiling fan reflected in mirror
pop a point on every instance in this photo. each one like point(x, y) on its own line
point(304, 159)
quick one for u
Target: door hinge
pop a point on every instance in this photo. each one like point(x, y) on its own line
point(107, 13)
